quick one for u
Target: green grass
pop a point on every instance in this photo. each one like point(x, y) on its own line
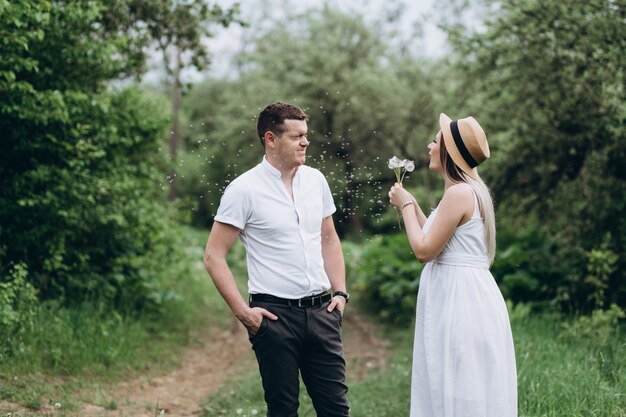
point(577, 377)
point(69, 352)
point(556, 378)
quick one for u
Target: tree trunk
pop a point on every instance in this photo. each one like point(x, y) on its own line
point(175, 131)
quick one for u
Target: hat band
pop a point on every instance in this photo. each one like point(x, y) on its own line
point(456, 135)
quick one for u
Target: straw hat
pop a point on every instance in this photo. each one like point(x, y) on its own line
point(466, 143)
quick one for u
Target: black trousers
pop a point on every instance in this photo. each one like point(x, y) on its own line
point(305, 340)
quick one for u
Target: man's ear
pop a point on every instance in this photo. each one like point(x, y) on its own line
point(269, 137)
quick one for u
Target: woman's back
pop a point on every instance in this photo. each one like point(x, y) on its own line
point(468, 239)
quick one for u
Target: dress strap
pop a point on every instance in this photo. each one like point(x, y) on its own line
point(476, 214)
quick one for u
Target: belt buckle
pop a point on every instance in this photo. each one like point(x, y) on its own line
point(310, 301)
point(307, 301)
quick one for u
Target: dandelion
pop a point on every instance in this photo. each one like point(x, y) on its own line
point(395, 163)
point(57, 405)
point(409, 166)
point(400, 168)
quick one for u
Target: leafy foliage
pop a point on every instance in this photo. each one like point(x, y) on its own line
point(79, 195)
point(553, 110)
point(526, 266)
point(601, 265)
point(386, 275)
point(547, 79)
point(599, 327)
point(18, 301)
point(366, 102)
point(175, 27)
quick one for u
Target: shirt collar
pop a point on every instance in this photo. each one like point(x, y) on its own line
point(273, 170)
point(270, 168)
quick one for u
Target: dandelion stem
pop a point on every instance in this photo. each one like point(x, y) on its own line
point(398, 216)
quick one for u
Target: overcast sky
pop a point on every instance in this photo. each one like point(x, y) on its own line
point(228, 41)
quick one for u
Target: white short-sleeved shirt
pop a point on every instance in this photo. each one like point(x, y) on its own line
point(282, 237)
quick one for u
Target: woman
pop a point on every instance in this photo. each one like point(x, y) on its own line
point(463, 356)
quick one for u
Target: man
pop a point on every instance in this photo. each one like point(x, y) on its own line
point(281, 209)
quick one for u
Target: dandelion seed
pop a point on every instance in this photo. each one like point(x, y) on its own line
point(57, 405)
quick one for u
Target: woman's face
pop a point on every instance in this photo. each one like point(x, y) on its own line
point(433, 153)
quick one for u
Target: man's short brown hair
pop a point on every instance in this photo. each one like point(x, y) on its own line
point(273, 116)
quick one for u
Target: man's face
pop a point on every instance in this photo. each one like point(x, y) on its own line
point(289, 148)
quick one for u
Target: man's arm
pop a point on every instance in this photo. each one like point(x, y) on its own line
point(221, 240)
point(333, 262)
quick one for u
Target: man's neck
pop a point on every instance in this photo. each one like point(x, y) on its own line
point(285, 173)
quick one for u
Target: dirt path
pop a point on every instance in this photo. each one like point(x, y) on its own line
point(365, 351)
point(205, 367)
point(179, 393)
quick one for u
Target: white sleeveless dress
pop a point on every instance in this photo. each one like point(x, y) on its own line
point(463, 355)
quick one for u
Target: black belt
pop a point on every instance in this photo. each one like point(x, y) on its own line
point(310, 301)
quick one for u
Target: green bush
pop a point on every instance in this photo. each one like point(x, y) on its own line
point(85, 215)
point(599, 327)
point(18, 302)
point(601, 264)
point(559, 167)
point(526, 266)
point(387, 277)
point(519, 311)
point(80, 202)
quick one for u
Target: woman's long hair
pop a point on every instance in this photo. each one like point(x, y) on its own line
point(485, 202)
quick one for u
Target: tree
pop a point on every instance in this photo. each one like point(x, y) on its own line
point(78, 166)
point(178, 29)
point(547, 79)
point(366, 103)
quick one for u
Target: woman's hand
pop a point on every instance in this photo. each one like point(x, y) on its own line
point(398, 196)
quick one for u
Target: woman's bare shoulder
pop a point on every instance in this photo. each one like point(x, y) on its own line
point(458, 192)
point(458, 198)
